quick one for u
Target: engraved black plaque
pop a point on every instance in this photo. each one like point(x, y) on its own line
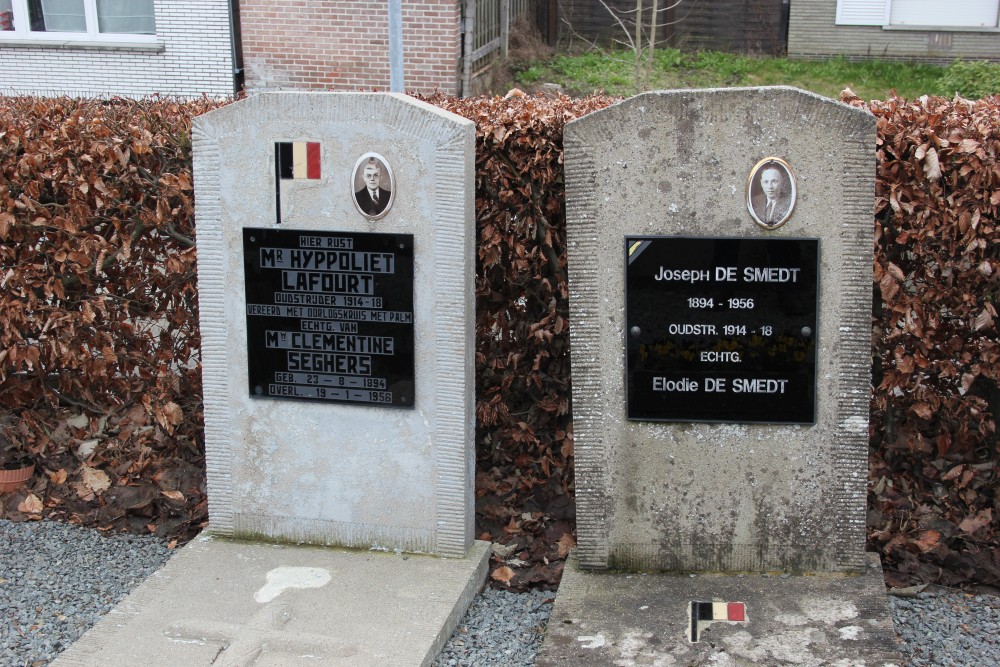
point(721, 330)
point(330, 316)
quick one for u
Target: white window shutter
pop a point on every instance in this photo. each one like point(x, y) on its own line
point(862, 12)
point(969, 13)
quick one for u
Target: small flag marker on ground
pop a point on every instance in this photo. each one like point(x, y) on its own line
point(703, 614)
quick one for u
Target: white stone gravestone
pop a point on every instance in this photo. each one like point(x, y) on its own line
point(336, 261)
point(720, 253)
point(285, 462)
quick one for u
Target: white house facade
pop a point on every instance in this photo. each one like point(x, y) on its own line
point(131, 48)
point(931, 30)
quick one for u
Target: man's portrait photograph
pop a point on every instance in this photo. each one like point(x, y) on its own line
point(373, 185)
point(771, 192)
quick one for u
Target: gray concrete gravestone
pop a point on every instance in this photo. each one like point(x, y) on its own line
point(336, 258)
point(720, 253)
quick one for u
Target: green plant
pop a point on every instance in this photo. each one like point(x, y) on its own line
point(531, 74)
point(613, 73)
point(667, 58)
point(725, 66)
point(970, 79)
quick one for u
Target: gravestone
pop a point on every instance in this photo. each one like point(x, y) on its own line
point(338, 342)
point(335, 258)
point(720, 253)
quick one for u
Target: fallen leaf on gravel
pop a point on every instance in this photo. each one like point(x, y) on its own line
point(565, 544)
point(928, 540)
point(974, 522)
point(907, 592)
point(86, 448)
point(95, 480)
point(58, 477)
point(30, 505)
point(503, 574)
point(504, 550)
point(78, 421)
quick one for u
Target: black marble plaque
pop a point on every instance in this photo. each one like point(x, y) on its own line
point(721, 330)
point(330, 316)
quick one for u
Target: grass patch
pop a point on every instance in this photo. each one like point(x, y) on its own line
point(614, 73)
point(971, 79)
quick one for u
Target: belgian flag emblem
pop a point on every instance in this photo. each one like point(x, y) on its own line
point(293, 160)
point(704, 614)
point(299, 159)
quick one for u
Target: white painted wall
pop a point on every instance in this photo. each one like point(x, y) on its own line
point(192, 56)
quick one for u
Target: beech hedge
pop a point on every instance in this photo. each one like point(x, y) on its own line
point(936, 358)
point(99, 339)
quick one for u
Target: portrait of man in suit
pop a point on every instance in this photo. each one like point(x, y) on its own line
point(374, 196)
point(771, 193)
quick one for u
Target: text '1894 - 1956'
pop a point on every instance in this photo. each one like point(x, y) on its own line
point(721, 329)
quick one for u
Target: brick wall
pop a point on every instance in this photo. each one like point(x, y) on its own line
point(193, 56)
point(344, 45)
point(813, 33)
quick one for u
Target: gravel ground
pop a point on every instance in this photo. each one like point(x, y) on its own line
point(74, 575)
point(501, 629)
point(56, 580)
point(948, 628)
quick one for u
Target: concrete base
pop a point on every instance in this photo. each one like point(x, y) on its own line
point(221, 602)
point(608, 618)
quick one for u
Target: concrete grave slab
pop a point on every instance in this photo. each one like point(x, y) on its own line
point(631, 619)
point(224, 602)
point(335, 274)
point(720, 252)
point(325, 450)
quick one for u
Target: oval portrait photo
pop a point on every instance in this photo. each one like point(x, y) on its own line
point(373, 185)
point(771, 193)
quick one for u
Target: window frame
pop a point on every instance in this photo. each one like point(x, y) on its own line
point(23, 34)
point(846, 15)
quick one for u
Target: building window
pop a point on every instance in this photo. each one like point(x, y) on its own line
point(78, 20)
point(126, 16)
point(920, 13)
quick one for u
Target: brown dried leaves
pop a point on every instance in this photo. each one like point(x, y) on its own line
point(936, 352)
point(99, 297)
point(524, 437)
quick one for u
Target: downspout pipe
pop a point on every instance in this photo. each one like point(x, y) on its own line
point(468, 23)
point(395, 46)
point(236, 45)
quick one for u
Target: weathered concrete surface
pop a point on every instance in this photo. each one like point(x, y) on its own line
point(338, 474)
point(220, 602)
point(625, 620)
point(719, 497)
